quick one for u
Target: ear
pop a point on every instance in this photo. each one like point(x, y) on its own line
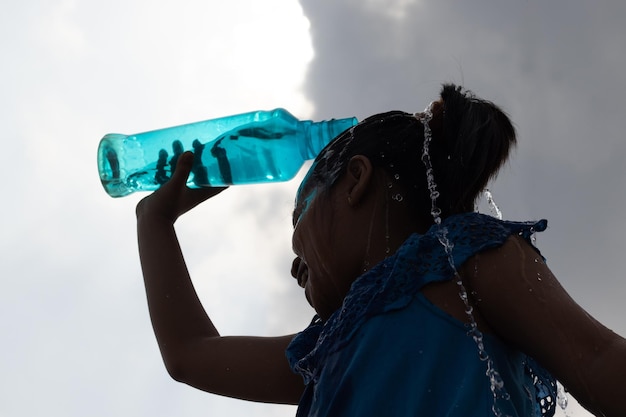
point(359, 177)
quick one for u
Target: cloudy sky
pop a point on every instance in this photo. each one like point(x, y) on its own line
point(76, 338)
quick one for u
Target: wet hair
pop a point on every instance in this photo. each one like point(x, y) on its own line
point(471, 140)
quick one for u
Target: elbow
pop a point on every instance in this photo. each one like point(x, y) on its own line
point(178, 369)
point(191, 361)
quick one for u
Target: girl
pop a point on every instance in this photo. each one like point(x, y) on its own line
point(424, 307)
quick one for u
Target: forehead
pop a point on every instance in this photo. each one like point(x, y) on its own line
point(304, 196)
point(324, 171)
point(306, 183)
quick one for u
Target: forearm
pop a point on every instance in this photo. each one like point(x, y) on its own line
point(177, 315)
point(602, 390)
point(252, 368)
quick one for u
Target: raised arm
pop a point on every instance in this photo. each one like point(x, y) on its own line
point(523, 303)
point(252, 368)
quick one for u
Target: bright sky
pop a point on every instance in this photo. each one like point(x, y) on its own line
point(77, 339)
point(76, 335)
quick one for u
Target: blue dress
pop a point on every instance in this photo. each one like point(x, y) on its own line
point(390, 352)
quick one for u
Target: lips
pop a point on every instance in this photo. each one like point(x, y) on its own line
point(303, 274)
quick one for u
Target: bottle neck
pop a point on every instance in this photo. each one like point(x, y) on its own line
point(319, 134)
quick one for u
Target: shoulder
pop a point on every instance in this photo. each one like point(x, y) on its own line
point(468, 234)
point(483, 229)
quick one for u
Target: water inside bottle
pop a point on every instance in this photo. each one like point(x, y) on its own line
point(260, 152)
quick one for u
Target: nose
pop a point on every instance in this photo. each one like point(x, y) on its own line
point(294, 267)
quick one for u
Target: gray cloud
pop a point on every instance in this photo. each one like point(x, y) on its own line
point(556, 68)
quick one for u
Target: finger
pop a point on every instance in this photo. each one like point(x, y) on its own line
point(183, 168)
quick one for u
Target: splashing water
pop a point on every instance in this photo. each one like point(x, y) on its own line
point(497, 384)
point(492, 204)
point(425, 118)
point(561, 398)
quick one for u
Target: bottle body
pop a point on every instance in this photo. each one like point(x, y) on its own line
point(262, 146)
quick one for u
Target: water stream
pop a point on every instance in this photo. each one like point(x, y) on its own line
point(497, 384)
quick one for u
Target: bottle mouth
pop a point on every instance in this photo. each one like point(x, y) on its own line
point(109, 166)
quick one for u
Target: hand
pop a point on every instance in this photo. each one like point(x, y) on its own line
point(174, 198)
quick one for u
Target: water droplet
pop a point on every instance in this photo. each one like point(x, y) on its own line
point(492, 204)
point(561, 396)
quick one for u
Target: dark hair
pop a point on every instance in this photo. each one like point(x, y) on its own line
point(471, 140)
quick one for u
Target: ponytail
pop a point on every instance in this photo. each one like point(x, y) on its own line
point(474, 141)
point(471, 140)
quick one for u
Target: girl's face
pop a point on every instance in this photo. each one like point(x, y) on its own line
point(313, 266)
point(326, 262)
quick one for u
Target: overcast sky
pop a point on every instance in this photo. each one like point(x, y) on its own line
point(76, 338)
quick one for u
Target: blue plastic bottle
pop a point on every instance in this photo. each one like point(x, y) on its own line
point(261, 146)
